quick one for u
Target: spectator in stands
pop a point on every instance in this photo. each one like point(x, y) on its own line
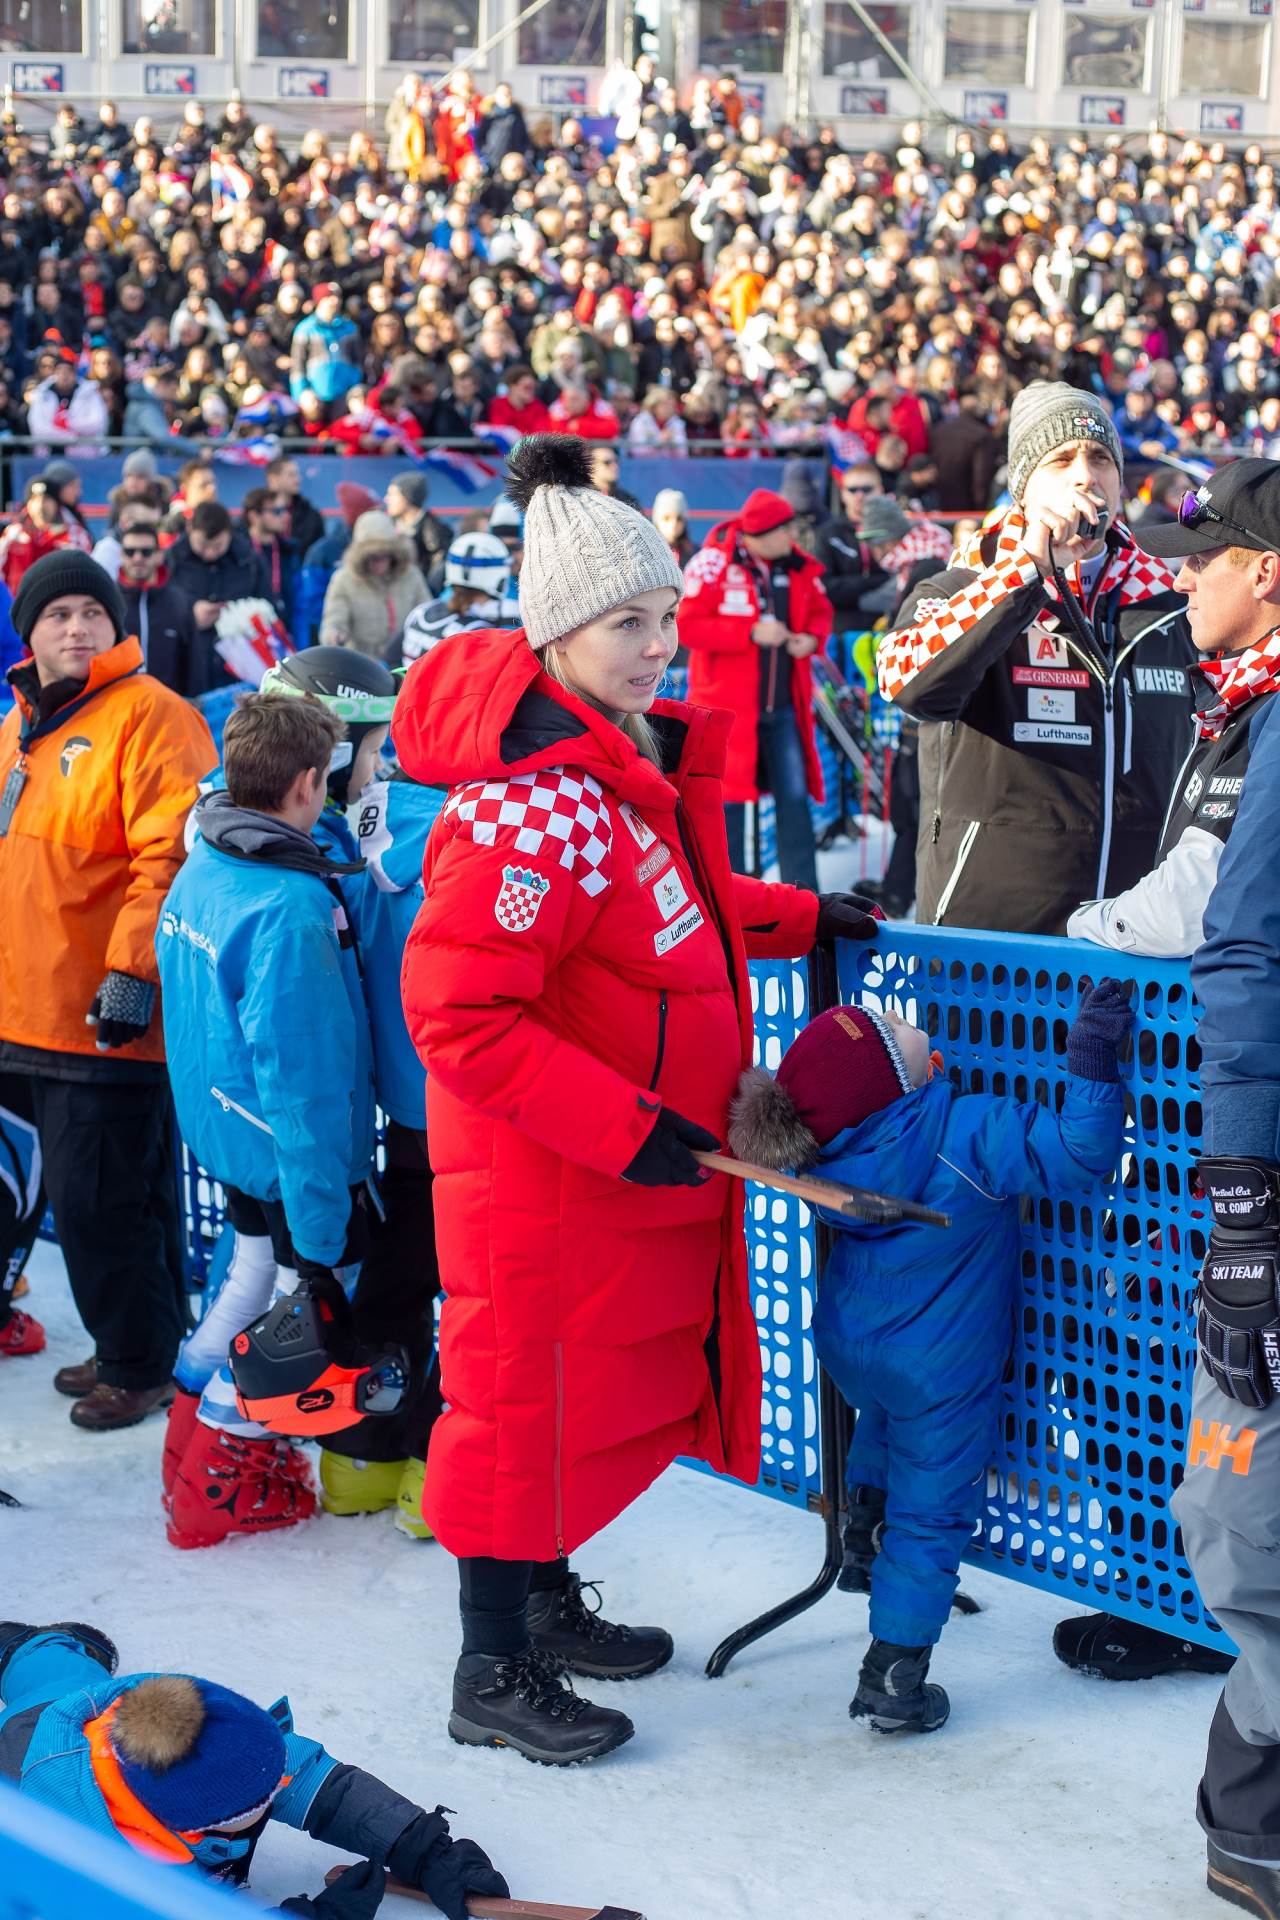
point(214, 563)
point(303, 523)
point(671, 518)
point(854, 583)
point(579, 409)
point(428, 535)
point(460, 408)
point(111, 763)
point(107, 551)
point(264, 518)
point(657, 426)
point(141, 484)
point(966, 454)
point(519, 406)
point(374, 590)
point(605, 468)
point(326, 351)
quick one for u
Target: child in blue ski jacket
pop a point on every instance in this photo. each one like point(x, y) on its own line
point(378, 1463)
point(190, 1773)
point(272, 1070)
point(913, 1322)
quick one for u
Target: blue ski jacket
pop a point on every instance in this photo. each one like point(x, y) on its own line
point(265, 1023)
point(1236, 972)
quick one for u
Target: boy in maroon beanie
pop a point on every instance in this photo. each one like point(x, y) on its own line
point(915, 1323)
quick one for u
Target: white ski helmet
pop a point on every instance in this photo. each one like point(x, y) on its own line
point(479, 561)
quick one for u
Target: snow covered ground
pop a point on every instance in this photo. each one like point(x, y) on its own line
point(749, 1798)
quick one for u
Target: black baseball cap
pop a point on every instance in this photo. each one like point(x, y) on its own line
point(1238, 507)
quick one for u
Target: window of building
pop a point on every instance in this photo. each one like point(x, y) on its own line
point(852, 53)
point(566, 33)
point(744, 35)
point(1224, 56)
point(292, 30)
point(990, 44)
point(41, 26)
point(1101, 50)
point(167, 26)
point(432, 32)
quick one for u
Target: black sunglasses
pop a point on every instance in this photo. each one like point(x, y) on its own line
point(859, 489)
point(138, 553)
point(1195, 511)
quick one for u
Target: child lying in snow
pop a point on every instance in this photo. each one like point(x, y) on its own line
point(915, 1323)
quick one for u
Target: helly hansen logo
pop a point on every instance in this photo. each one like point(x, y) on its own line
point(1211, 1443)
point(1160, 679)
point(72, 751)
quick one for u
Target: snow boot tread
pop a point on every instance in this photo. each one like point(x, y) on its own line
point(1252, 1885)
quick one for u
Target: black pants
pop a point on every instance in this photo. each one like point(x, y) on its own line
point(781, 773)
point(21, 1184)
point(395, 1301)
point(494, 1598)
point(904, 818)
point(1239, 1798)
point(110, 1170)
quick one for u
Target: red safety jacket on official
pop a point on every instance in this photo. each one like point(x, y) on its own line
point(723, 599)
point(579, 961)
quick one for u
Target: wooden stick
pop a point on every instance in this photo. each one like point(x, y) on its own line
point(486, 1907)
point(860, 1203)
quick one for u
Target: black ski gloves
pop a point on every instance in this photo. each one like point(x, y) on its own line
point(1105, 1017)
point(1237, 1315)
point(354, 1895)
point(846, 916)
point(121, 1010)
point(446, 1870)
point(665, 1159)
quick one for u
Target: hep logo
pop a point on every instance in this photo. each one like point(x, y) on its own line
point(1212, 1444)
point(72, 751)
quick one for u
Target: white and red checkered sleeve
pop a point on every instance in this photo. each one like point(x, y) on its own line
point(518, 873)
point(959, 624)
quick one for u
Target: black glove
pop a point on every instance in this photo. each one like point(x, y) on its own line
point(1105, 1017)
point(121, 1010)
point(847, 916)
point(1238, 1318)
point(446, 1870)
point(354, 1895)
point(665, 1160)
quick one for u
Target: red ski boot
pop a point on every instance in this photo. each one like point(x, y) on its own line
point(20, 1334)
point(228, 1485)
point(177, 1438)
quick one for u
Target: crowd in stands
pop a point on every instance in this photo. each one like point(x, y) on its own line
point(695, 281)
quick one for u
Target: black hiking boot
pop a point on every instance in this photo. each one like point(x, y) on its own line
point(892, 1695)
point(523, 1700)
point(861, 1538)
point(562, 1623)
point(1111, 1649)
point(1251, 1884)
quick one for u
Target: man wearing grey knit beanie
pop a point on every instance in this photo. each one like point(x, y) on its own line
point(1048, 666)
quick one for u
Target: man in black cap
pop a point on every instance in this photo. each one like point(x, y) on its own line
point(99, 767)
point(1229, 1503)
point(406, 502)
point(1227, 536)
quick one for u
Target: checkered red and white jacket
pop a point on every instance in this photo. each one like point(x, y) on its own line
point(579, 962)
point(1046, 763)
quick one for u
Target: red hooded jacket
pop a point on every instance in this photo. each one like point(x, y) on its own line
point(579, 960)
point(722, 602)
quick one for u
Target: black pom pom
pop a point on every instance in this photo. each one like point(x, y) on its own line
point(546, 460)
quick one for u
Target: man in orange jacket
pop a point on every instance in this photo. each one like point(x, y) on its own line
point(99, 767)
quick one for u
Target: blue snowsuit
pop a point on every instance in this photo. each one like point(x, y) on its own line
point(915, 1323)
point(266, 1030)
point(52, 1688)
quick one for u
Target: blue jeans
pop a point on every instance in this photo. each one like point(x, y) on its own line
point(781, 773)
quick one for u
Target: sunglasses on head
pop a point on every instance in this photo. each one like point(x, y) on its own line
point(1194, 510)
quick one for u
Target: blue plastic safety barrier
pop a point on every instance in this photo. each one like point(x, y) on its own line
point(1096, 1409)
point(51, 1868)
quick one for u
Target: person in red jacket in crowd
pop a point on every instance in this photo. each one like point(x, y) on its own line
point(519, 406)
point(579, 410)
point(576, 983)
point(754, 613)
point(43, 526)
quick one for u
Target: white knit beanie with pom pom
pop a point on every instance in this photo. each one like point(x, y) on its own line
point(583, 552)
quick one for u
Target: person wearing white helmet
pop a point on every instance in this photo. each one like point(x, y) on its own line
point(477, 570)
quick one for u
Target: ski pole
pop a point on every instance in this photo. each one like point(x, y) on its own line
point(859, 1203)
point(481, 1906)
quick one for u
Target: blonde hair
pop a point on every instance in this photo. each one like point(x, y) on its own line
point(634, 725)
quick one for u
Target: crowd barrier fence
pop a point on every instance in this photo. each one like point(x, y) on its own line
point(1095, 1416)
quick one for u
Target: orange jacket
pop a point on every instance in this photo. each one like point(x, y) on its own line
point(93, 844)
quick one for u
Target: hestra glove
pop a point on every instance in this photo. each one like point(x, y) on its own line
point(666, 1158)
point(121, 1010)
point(1105, 1017)
point(1238, 1317)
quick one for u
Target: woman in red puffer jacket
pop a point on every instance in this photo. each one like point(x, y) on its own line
point(577, 984)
